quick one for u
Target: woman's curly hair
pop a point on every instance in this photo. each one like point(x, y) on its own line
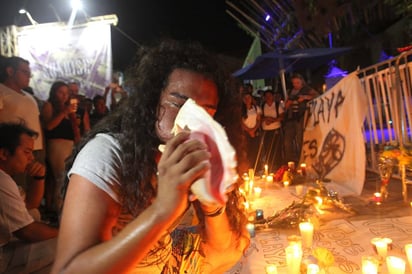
point(136, 119)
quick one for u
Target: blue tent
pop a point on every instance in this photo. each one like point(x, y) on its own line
point(278, 62)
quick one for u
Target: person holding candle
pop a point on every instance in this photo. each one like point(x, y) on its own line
point(124, 199)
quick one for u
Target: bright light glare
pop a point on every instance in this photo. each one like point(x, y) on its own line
point(76, 4)
point(22, 11)
point(267, 18)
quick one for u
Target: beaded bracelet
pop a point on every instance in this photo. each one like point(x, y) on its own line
point(215, 213)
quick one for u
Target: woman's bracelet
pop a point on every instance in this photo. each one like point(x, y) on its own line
point(39, 177)
point(215, 213)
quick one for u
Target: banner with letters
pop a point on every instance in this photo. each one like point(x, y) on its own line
point(80, 53)
point(333, 144)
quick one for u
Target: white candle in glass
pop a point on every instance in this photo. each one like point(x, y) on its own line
point(271, 269)
point(369, 265)
point(395, 265)
point(286, 183)
point(257, 191)
point(293, 259)
point(381, 247)
point(269, 179)
point(306, 231)
point(408, 251)
point(299, 189)
point(312, 269)
point(251, 229)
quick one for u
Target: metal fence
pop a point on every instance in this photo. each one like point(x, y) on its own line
point(388, 86)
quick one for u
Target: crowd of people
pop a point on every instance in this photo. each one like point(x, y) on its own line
point(272, 126)
point(107, 181)
point(103, 177)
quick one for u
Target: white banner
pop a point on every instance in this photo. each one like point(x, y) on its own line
point(333, 144)
point(57, 52)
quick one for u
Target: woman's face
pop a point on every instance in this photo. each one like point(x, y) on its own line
point(62, 94)
point(184, 84)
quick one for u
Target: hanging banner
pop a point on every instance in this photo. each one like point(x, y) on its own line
point(80, 53)
point(333, 144)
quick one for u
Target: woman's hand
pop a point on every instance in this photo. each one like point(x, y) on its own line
point(182, 162)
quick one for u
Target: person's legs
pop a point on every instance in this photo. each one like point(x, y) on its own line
point(289, 140)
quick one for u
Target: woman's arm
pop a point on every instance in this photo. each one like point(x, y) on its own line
point(85, 244)
point(50, 121)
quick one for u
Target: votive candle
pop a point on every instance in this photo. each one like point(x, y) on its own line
point(369, 265)
point(312, 269)
point(395, 265)
point(271, 269)
point(408, 251)
point(293, 259)
point(257, 191)
point(269, 179)
point(381, 247)
point(286, 183)
point(303, 168)
point(306, 231)
point(251, 229)
point(377, 197)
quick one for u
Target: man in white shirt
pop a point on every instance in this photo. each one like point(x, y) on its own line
point(17, 226)
point(272, 130)
point(17, 105)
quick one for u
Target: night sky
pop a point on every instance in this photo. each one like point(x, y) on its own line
point(144, 21)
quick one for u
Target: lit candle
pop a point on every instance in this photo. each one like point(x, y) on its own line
point(293, 259)
point(286, 183)
point(251, 186)
point(299, 190)
point(306, 231)
point(271, 269)
point(369, 265)
point(247, 206)
point(381, 247)
point(395, 265)
point(303, 169)
point(408, 251)
point(269, 179)
point(251, 229)
point(246, 186)
point(319, 200)
point(257, 191)
point(266, 170)
point(377, 198)
point(295, 240)
point(251, 174)
point(312, 269)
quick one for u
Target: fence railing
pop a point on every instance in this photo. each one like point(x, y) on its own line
point(388, 86)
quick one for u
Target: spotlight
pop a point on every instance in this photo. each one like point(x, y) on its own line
point(77, 4)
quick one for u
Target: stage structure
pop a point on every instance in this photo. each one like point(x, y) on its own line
point(57, 51)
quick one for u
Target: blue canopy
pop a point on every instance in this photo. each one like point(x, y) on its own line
point(270, 64)
point(278, 62)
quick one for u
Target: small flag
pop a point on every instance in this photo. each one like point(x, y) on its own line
point(254, 51)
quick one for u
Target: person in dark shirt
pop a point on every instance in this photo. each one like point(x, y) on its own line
point(99, 111)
